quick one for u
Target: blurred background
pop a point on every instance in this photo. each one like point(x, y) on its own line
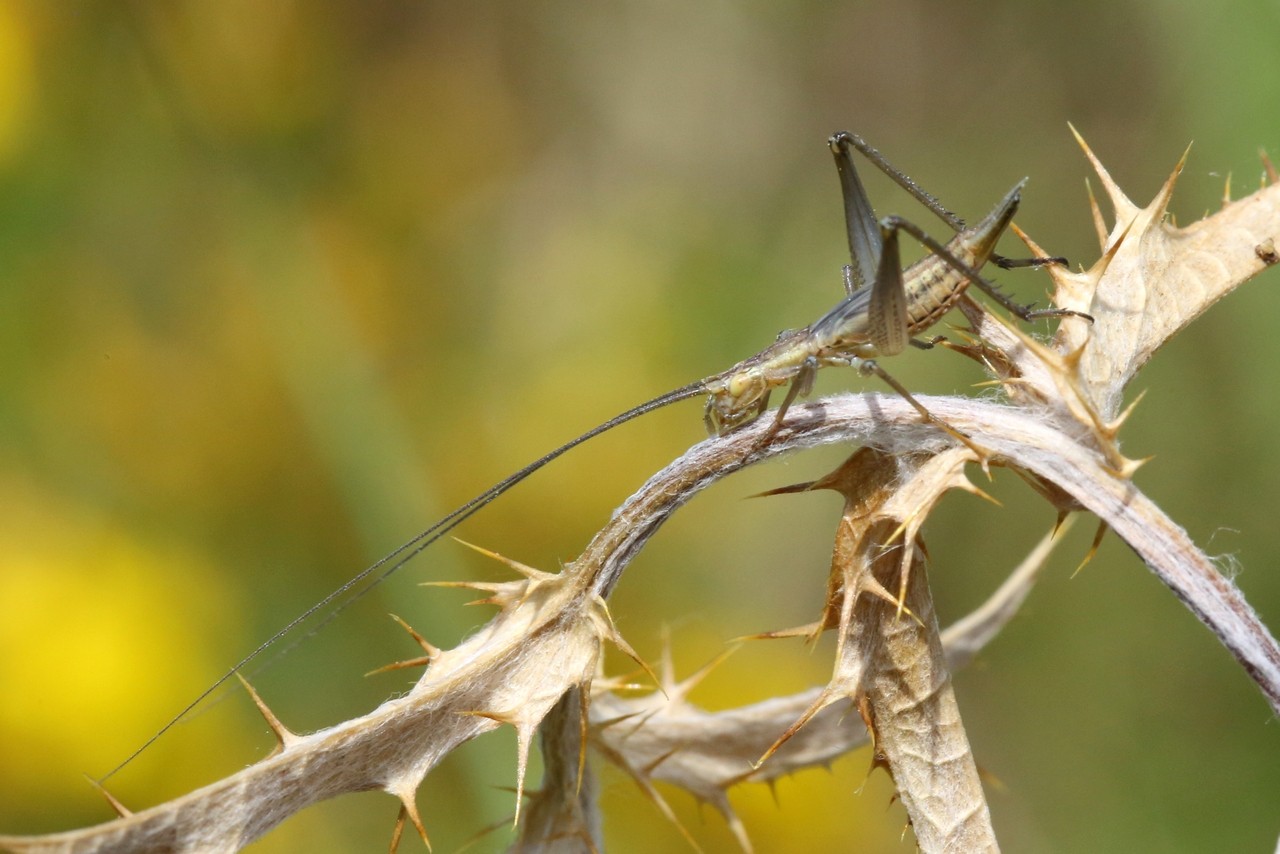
point(282, 282)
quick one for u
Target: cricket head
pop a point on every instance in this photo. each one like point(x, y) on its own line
point(735, 397)
point(739, 395)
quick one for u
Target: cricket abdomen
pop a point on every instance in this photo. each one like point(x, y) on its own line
point(933, 286)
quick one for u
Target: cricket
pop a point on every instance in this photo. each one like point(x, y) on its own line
point(883, 309)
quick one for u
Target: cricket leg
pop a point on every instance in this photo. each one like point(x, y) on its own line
point(762, 406)
point(1013, 263)
point(844, 140)
point(801, 385)
point(867, 367)
point(861, 226)
point(709, 419)
point(889, 332)
point(893, 224)
point(850, 284)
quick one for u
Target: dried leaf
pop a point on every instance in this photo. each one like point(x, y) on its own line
point(890, 663)
point(1155, 278)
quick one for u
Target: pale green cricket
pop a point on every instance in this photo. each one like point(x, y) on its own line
point(883, 308)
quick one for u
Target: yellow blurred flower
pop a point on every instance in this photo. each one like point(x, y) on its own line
point(100, 630)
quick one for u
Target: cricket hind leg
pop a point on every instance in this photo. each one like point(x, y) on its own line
point(889, 278)
point(869, 367)
point(843, 141)
point(1016, 263)
point(889, 332)
point(893, 224)
point(863, 231)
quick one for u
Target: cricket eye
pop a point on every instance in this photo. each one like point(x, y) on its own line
point(741, 382)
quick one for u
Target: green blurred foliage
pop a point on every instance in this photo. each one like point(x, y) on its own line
point(282, 282)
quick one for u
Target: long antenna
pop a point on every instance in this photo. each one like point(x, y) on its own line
point(406, 552)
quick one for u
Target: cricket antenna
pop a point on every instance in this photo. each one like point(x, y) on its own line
point(386, 565)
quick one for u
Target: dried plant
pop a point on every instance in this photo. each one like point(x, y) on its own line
point(536, 666)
